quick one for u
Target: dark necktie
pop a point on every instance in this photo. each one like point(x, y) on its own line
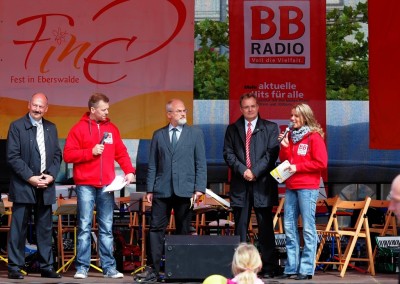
point(248, 139)
point(174, 139)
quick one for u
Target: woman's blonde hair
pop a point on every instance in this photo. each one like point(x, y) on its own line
point(246, 263)
point(306, 114)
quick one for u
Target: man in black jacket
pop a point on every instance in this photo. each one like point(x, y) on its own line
point(251, 149)
point(34, 157)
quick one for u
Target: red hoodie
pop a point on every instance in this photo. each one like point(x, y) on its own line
point(95, 170)
point(310, 157)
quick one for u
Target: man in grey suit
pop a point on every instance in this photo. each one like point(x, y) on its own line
point(34, 157)
point(177, 173)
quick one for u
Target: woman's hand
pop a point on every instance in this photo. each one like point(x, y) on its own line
point(284, 139)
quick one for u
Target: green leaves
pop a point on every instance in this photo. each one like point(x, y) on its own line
point(211, 67)
point(347, 53)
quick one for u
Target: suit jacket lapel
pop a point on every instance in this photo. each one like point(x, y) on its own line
point(167, 141)
point(241, 129)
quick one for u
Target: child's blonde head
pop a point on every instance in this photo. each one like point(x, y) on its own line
point(246, 263)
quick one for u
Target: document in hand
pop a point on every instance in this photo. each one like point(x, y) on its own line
point(117, 184)
point(281, 172)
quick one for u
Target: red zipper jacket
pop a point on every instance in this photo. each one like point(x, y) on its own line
point(95, 170)
point(310, 157)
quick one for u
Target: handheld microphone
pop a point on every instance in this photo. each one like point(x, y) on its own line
point(288, 128)
point(105, 135)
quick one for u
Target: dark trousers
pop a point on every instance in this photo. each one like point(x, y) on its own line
point(160, 215)
point(266, 235)
point(18, 231)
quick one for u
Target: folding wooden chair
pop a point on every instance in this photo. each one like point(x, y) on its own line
point(68, 208)
point(145, 212)
point(324, 208)
point(6, 227)
point(124, 202)
point(389, 226)
point(351, 235)
point(277, 221)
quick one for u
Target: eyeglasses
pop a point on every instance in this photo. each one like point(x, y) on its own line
point(180, 111)
point(249, 107)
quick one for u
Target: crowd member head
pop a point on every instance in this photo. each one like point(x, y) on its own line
point(38, 106)
point(98, 107)
point(246, 264)
point(176, 112)
point(395, 196)
point(302, 115)
point(249, 106)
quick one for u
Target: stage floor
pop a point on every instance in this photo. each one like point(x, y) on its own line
point(96, 277)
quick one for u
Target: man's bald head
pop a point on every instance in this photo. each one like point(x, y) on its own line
point(395, 189)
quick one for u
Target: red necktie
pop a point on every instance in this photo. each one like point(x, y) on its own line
point(248, 138)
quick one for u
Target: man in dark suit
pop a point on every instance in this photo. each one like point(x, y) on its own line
point(177, 173)
point(34, 157)
point(251, 183)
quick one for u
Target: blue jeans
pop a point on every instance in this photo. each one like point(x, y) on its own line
point(300, 202)
point(88, 196)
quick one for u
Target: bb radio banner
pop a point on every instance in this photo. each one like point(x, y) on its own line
point(138, 53)
point(277, 51)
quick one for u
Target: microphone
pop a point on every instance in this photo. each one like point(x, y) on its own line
point(288, 128)
point(105, 135)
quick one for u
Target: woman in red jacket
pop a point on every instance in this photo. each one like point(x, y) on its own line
point(305, 149)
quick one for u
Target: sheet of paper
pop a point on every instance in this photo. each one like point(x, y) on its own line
point(281, 172)
point(218, 198)
point(117, 184)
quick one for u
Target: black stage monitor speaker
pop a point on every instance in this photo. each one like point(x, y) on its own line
point(197, 257)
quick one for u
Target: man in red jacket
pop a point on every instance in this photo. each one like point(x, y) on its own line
point(92, 145)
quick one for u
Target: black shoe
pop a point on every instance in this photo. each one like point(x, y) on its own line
point(15, 274)
point(50, 273)
point(147, 276)
point(303, 277)
point(268, 275)
point(286, 276)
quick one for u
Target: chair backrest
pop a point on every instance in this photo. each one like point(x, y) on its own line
point(324, 206)
point(347, 208)
point(388, 224)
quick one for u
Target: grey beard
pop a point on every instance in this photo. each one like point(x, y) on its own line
point(182, 121)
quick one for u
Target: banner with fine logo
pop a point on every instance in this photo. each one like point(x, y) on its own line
point(138, 53)
point(277, 51)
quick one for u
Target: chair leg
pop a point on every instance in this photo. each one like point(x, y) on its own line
point(350, 247)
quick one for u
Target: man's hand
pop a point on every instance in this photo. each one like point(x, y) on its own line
point(40, 181)
point(249, 176)
point(129, 178)
point(98, 149)
point(149, 197)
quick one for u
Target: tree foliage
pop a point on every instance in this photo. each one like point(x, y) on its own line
point(347, 53)
point(211, 66)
